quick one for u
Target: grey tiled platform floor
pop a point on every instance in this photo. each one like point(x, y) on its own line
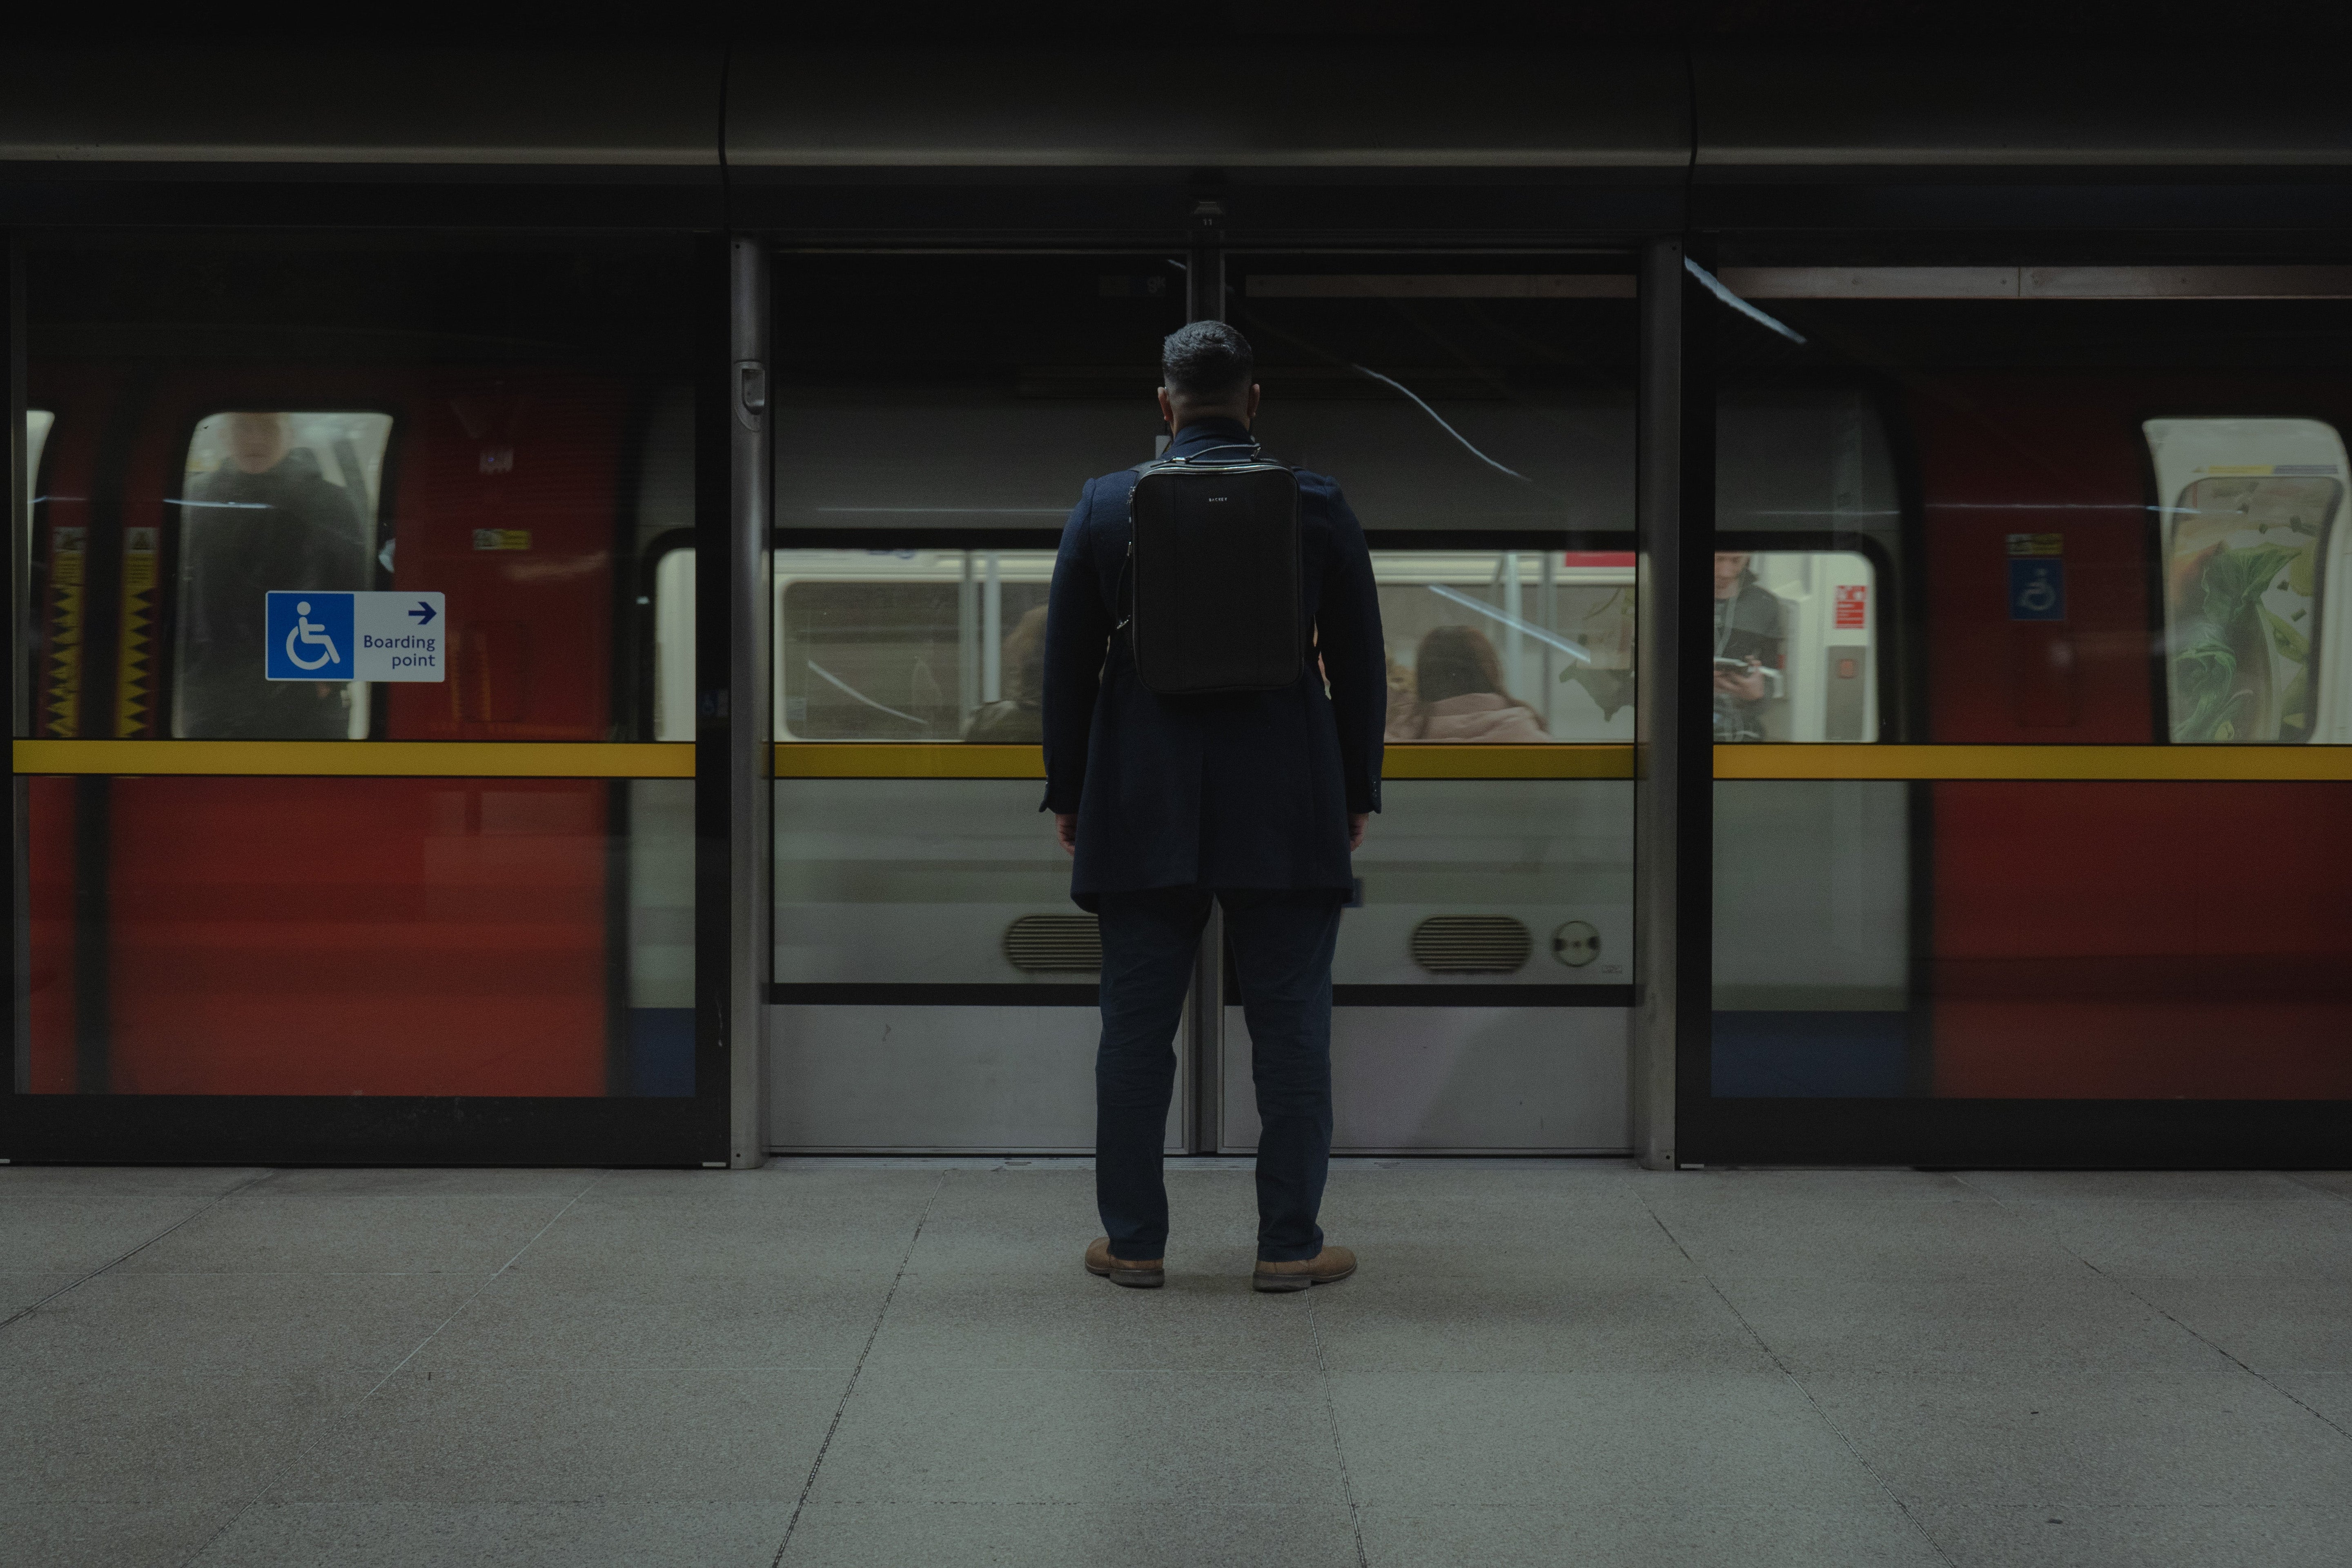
point(902, 1364)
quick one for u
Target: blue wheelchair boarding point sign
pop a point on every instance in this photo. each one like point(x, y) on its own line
point(315, 636)
point(2037, 588)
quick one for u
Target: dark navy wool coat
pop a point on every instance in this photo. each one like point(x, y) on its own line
point(1242, 790)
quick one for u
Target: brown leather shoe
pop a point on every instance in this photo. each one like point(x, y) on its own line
point(1328, 1267)
point(1137, 1272)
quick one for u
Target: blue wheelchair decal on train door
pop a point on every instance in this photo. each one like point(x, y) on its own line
point(309, 637)
point(2037, 590)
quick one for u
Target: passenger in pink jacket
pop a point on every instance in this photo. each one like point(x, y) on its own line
point(1459, 695)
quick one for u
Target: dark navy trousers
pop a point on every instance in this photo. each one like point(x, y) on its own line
point(1282, 941)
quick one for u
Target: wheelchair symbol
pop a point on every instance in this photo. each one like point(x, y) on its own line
point(2036, 596)
point(305, 632)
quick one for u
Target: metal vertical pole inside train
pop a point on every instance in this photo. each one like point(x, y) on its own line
point(1658, 765)
point(1203, 1088)
point(751, 757)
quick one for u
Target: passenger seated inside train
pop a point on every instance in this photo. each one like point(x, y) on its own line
point(266, 519)
point(1458, 694)
point(1018, 719)
point(1747, 648)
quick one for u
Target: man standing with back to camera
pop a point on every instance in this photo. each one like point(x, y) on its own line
point(1252, 798)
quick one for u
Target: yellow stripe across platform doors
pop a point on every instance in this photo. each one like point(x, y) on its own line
point(556, 759)
point(362, 759)
point(825, 760)
point(2084, 765)
point(820, 760)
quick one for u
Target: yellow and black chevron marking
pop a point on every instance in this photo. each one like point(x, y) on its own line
point(134, 703)
point(61, 694)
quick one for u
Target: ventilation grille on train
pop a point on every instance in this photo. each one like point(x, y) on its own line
point(1046, 944)
point(1471, 945)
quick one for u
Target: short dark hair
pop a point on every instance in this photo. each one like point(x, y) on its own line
point(1207, 362)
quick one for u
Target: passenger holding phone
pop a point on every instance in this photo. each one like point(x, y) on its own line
point(1748, 644)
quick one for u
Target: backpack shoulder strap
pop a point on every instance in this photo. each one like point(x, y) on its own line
point(1123, 596)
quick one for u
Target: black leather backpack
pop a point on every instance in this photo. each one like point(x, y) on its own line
point(1213, 574)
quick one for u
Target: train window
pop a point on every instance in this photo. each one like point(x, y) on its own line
point(1507, 646)
point(915, 645)
point(2250, 522)
point(1493, 646)
point(1451, 393)
point(673, 713)
point(267, 502)
point(37, 422)
point(1794, 639)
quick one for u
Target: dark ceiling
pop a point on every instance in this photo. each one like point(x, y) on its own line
point(2261, 24)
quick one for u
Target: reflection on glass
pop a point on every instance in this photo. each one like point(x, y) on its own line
point(1812, 957)
point(1015, 671)
point(2075, 572)
point(1535, 877)
point(2248, 535)
point(1747, 648)
point(402, 937)
point(1794, 649)
point(1507, 646)
point(269, 501)
point(910, 644)
point(674, 646)
point(938, 881)
point(1492, 646)
point(1444, 397)
point(914, 880)
point(37, 422)
point(515, 414)
point(2098, 941)
point(36, 435)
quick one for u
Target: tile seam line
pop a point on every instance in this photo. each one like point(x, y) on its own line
point(2296, 1177)
point(1845, 1439)
point(824, 1445)
point(111, 1264)
point(2124, 1286)
point(261, 1488)
point(1331, 1417)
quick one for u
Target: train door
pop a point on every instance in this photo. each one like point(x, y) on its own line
point(1813, 927)
point(2106, 867)
point(935, 987)
point(278, 884)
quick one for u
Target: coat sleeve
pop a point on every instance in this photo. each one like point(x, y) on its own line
point(1355, 658)
point(1077, 636)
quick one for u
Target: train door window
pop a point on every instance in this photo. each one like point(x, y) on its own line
point(2250, 534)
point(38, 423)
point(1795, 646)
point(1507, 646)
point(269, 501)
point(911, 645)
point(672, 599)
